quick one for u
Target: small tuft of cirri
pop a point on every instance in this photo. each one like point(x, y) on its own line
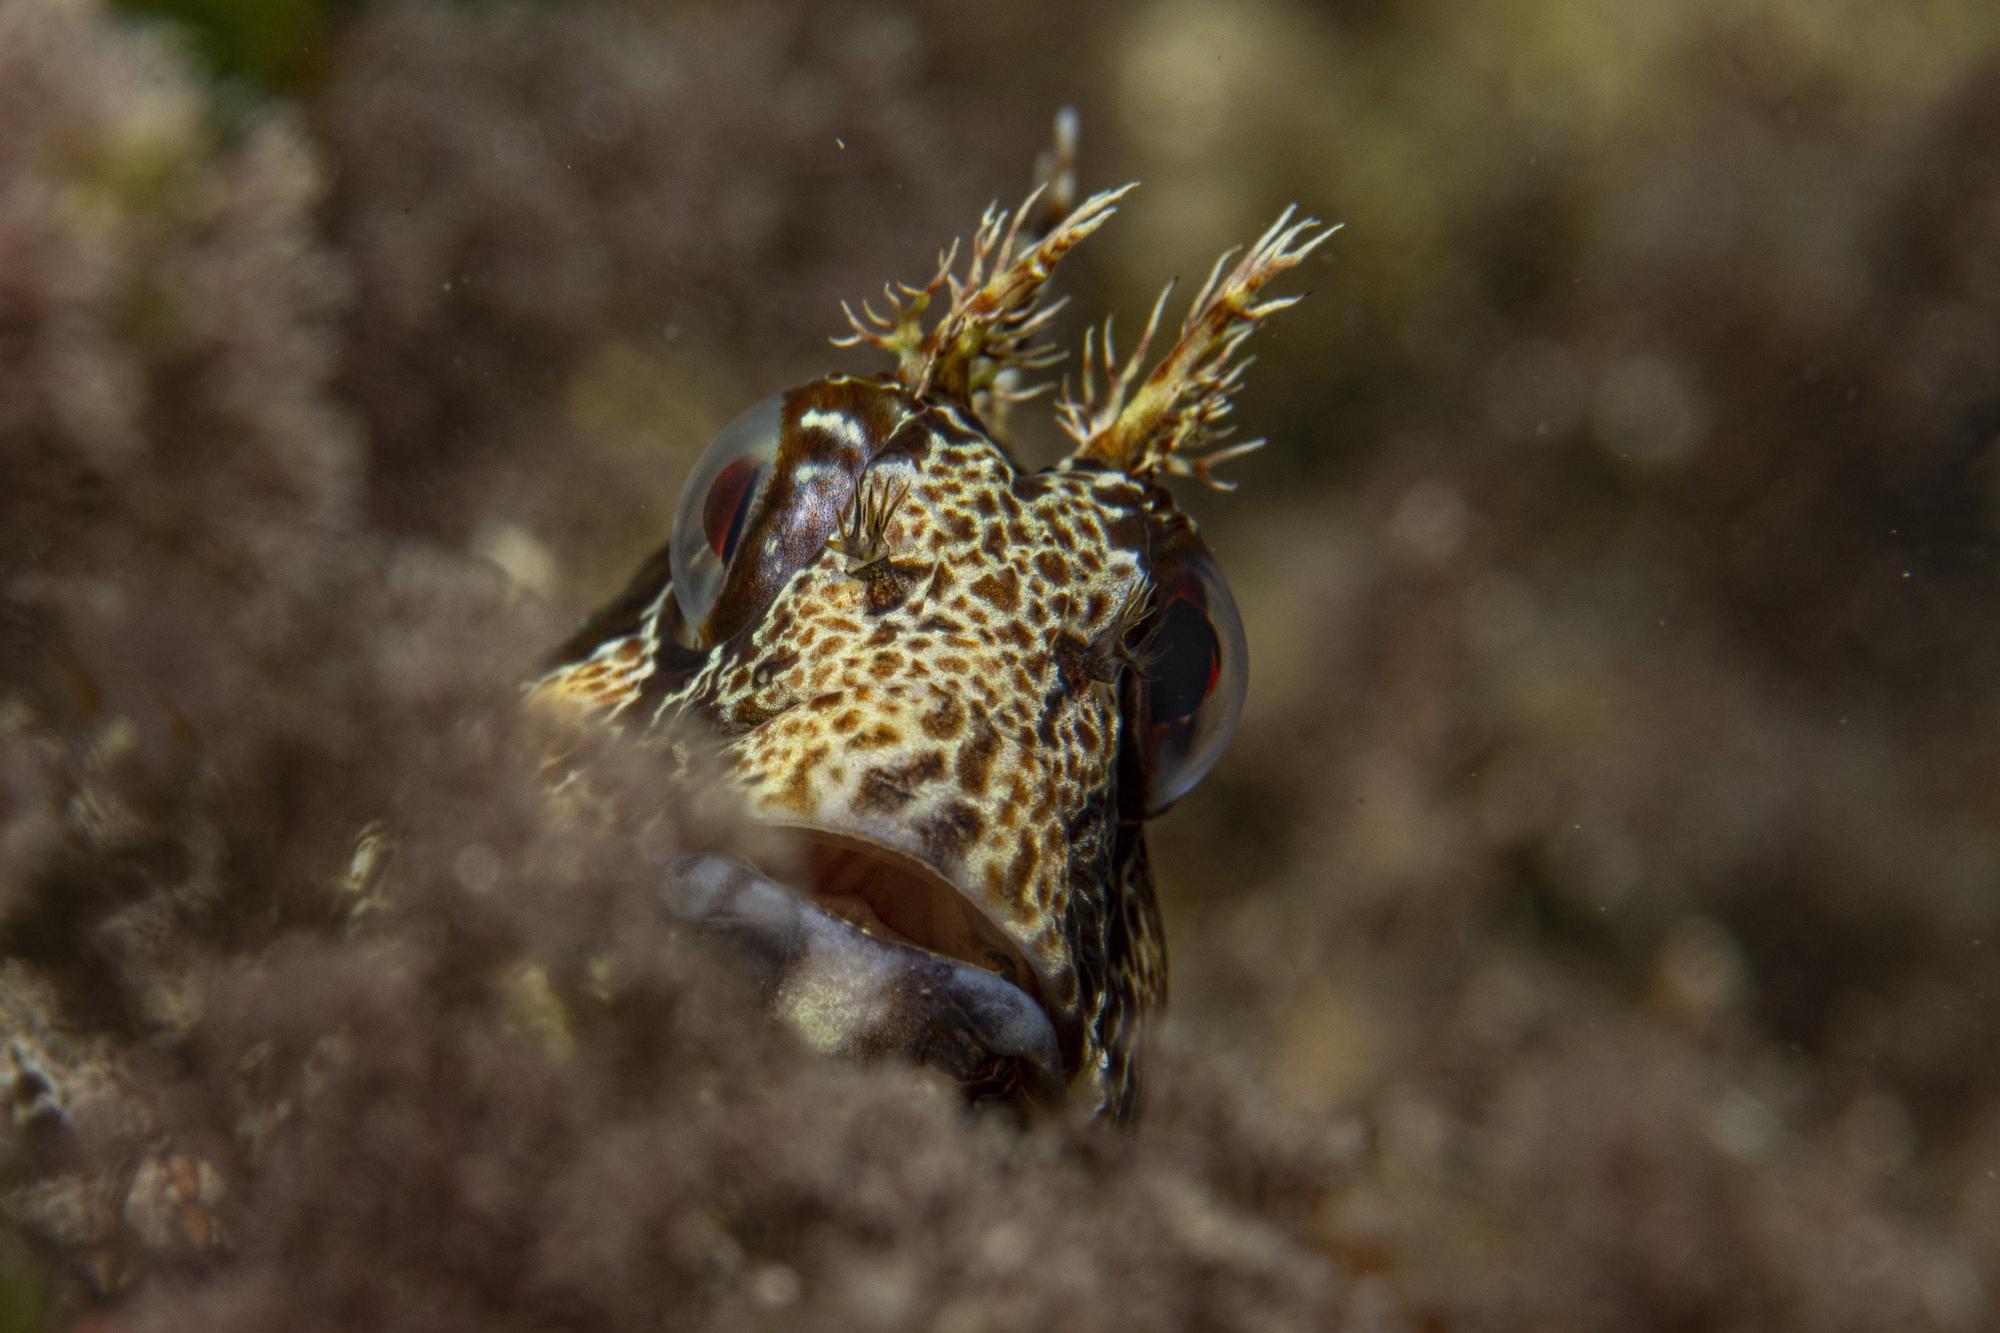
point(996, 312)
point(1172, 422)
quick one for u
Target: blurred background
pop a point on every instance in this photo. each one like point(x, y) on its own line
point(1605, 880)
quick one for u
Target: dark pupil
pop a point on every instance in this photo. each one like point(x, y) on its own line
point(1188, 662)
point(727, 506)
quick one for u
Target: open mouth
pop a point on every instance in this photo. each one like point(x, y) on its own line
point(874, 953)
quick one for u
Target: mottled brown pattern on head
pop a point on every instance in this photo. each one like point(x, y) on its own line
point(891, 787)
point(975, 757)
point(1000, 590)
point(943, 721)
point(952, 832)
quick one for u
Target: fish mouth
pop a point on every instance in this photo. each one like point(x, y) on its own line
point(865, 950)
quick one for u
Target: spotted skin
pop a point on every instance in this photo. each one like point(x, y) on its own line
point(953, 697)
point(920, 645)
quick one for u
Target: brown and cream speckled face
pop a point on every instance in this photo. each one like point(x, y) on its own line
point(965, 684)
point(962, 685)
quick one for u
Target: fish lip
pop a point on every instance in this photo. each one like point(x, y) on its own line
point(847, 990)
point(934, 912)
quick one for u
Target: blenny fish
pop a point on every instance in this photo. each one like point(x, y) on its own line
point(963, 683)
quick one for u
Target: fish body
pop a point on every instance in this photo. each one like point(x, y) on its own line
point(964, 684)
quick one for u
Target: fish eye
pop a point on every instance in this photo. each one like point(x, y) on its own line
point(1197, 673)
point(721, 494)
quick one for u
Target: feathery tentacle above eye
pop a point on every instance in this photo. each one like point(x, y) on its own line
point(1168, 423)
point(996, 310)
point(1176, 411)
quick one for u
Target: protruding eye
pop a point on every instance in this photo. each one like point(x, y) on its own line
point(1197, 672)
point(717, 504)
